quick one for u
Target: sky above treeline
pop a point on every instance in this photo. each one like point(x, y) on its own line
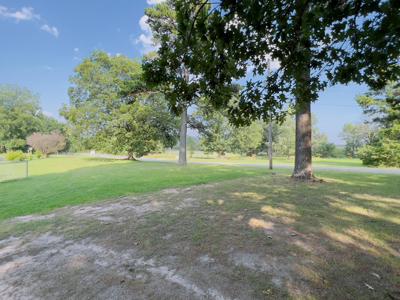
point(42, 41)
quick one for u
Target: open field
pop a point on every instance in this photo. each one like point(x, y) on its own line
point(233, 159)
point(60, 181)
point(253, 237)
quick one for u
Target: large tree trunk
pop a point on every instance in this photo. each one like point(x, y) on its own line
point(182, 137)
point(303, 152)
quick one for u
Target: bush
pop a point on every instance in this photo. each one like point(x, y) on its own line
point(15, 155)
point(325, 150)
point(386, 153)
point(38, 154)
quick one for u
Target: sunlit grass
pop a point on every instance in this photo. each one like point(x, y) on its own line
point(60, 181)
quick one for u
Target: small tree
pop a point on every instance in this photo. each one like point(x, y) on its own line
point(355, 136)
point(247, 140)
point(47, 143)
point(141, 127)
point(285, 141)
point(214, 129)
point(325, 150)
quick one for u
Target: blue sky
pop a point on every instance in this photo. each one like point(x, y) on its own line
point(42, 41)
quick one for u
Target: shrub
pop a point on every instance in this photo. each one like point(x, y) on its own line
point(325, 150)
point(386, 153)
point(15, 155)
point(38, 154)
point(385, 150)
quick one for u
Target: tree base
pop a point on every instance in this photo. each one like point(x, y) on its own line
point(305, 177)
point(131, 158)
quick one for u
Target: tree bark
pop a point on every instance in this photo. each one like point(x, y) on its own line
point(182, 137)
point(303, 152)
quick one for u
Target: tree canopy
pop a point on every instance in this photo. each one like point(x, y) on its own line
point(294, 49)
point(111, 109)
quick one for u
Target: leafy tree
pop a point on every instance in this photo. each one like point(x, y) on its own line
point(47, 143)
point(170, 73)
point(325, 149)
point(193, 145)
point(20, 116)
point(246, 140)
point(355, 136)
point(295, 49)
point(285, 140)
point(169, 68)
point(214, 129)
point(111, 109)
point(383, 108)
point(140, 128)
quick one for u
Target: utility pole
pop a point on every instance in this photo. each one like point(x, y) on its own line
point(270, 143)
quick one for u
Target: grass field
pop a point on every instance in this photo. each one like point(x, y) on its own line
point(233, 159)
point(247, 234)
point(60, 181)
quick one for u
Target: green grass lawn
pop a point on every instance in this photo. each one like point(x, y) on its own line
point(317, 240)
point(263, 236)
point(236, 159)
point(60, 181)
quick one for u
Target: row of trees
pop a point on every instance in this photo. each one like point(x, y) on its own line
point(111, 109)
point(218, 135)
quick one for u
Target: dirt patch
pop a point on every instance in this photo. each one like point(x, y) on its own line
point(32, 218)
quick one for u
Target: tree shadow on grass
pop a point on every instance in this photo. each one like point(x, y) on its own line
point(345, 235)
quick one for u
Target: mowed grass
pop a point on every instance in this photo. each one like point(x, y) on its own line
point(61, 181)
point(232, 159)
point(266, 236)
point(336, 239)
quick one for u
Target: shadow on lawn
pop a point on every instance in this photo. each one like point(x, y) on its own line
point(344, 235)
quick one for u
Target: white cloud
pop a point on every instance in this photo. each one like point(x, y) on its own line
point(143, 24)
point(145, 39)
point(146, 43)
point(27, 14)
point(153, 2)
point(48, 68)
point(76, 50)
point(50, 29)
point(24, 14)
